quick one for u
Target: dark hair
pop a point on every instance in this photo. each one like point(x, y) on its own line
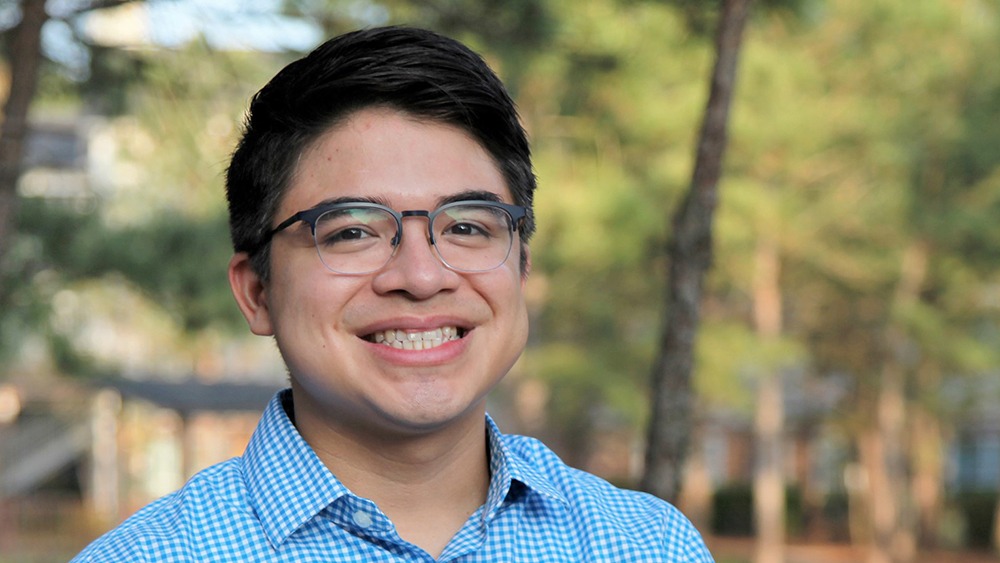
point(415, 71)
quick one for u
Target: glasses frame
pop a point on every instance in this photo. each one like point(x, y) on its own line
point(517, 214)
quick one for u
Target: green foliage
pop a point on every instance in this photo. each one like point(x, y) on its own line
point(732, 510)
point(731, 357)
point(863, 130)
point(187, 112)
point(177, 263)
point(114, 74)
point(978, 512)
point(193, 285)
point(161, 236)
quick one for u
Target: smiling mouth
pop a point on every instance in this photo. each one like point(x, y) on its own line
point(416, 340)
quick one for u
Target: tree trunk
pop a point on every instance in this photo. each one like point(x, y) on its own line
point(25, 52)
point(892, 514)
point(689, 255)
point(928, 457)
point(696, 497)
point(769, 419)
point(887, 476)
point(879, 500)
point(815, 526)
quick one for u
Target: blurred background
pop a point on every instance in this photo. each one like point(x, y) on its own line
point(853, 301)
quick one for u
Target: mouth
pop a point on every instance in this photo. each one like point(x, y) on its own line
point(416, 339)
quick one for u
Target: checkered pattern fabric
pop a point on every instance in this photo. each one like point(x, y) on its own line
point(278, 502)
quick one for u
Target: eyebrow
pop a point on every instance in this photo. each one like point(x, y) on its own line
point(467, 195)
point(470, 195)
point(351, 199)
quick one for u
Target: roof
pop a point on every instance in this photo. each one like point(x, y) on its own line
point(196, 396)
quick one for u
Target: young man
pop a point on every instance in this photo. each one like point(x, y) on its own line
point(380, 207)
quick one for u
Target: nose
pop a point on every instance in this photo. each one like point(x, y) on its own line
point(415, 269)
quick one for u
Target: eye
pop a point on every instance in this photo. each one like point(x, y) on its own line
point(472, 222)
point(353, 229)
point(466, 230)
point(348, 234)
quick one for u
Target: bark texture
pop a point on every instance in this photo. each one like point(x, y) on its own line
point(689, 257)
point(25, 59)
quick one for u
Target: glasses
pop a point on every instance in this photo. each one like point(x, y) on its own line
point(361, 237)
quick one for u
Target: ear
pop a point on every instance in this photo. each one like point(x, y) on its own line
point(251, 294)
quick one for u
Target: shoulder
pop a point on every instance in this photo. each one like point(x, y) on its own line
point(167, 528)
point(620, 516)
point(580, 488)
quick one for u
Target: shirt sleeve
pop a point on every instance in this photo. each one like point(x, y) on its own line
point(695, 550)
point(111, 547)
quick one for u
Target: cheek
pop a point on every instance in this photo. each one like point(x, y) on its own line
point(311, 304)
point(514, 338)
point(513, 309)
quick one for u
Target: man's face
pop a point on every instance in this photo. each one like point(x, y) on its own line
point(324, 323)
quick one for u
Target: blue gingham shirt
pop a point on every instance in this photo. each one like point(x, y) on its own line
point(278, 502)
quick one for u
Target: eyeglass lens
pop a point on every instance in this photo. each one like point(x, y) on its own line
point(358, 240)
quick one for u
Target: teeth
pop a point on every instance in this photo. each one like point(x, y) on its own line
point(419, 340)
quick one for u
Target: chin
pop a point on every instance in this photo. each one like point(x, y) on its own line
point(430, 419)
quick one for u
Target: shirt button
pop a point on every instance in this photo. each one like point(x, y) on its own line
point(363, 519)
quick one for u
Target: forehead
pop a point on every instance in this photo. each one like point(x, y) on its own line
point(395, 157)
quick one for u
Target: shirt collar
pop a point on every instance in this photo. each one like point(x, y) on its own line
point(511, 473)
point(287, 483)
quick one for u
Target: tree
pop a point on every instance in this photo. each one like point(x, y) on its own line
point(884, 289)
point(769, 419)
point(168, 116)
point(690, 256)
point(25, 58)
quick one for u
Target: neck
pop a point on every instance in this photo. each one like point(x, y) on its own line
point(427, 483)
point(381, 467)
